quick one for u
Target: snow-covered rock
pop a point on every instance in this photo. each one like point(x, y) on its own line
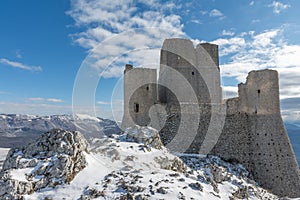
point(54, 159)
point(146, 135)
point(121, 166)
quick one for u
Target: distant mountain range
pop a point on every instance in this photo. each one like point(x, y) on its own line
point(17, 130)
point(294, 134)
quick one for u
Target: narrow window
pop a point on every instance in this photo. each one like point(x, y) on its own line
point(147, 88)
point(258, 91)
point(136, 107)
point(193, 73)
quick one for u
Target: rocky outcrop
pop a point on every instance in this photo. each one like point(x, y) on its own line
point(146, 135)
point(174, 164)
point(53, 159)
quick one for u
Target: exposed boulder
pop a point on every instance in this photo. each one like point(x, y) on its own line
point(174, 164)
point(53, 159)
point(146, 135)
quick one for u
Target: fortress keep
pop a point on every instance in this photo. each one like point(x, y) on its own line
point(188, 92)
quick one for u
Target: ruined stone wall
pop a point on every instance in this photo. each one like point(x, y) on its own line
point(253, 132)
point(254, 135)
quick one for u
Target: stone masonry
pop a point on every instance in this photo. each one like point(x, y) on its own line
point(185, 103)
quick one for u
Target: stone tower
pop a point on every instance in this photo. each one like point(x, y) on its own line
point(199, 66)
point(253, 132)
point(254, 135)
point(140, 93)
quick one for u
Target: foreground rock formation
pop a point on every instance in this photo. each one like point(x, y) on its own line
point(54, 159)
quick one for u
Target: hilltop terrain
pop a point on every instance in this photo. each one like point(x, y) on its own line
point(131, 165)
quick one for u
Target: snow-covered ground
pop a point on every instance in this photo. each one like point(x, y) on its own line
point(3, 153)
point(119, 169)
point(130, 165)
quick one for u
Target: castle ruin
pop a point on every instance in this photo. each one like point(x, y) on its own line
point(188, 92)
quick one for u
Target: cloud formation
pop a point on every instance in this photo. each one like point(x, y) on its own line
point(103, 102)
point(215, 13)
point(34, 108)
point(255, 51)
point(278, 7)
point(228, 33)
point(229, 91)
point(130, 27)
point(20, 65)
point(40, 99)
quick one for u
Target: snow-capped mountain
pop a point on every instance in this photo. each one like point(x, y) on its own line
point(132, 165)
point(17, 130)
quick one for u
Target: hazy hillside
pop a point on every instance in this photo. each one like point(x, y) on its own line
point(294, 134)
point(17, 130)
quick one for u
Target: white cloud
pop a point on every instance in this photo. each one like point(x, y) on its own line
point(115, 30)
point(54, 100)
point(20, 65)
point(228, 33)
point(216, 13)
point(196, 21)
point(290, 110)
point(229, 91)
point(230, 45)
point(291, 116)
point(203, 12)
point(36, 99)
point(255, 51)
point(34, 109)
point(251, 3)
point(103, 102)
point(264, 39)
point(278, 6)
point(289, 81)
point(40, 99)
point(254, 21)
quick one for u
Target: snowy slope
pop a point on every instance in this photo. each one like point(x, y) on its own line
point(120, 168)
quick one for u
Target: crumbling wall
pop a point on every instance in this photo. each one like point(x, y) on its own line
point(254, 135)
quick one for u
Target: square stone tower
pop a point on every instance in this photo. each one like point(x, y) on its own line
point(199, 67)
point(140, 93)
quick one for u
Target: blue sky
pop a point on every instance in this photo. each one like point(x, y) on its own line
point(44, 44)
